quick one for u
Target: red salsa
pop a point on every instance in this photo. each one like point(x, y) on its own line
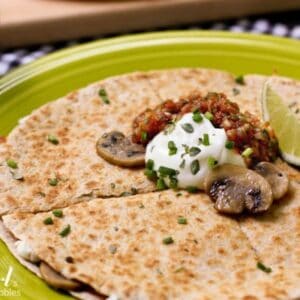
point(247, 134)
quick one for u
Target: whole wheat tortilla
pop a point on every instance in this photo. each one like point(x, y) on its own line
point(117, 247)
point(80, 118)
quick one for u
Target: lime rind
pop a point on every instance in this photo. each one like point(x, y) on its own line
point(284, 123)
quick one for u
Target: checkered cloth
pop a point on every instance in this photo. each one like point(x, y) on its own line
point(287, 24)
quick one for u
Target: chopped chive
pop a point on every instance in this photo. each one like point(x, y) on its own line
point(205, 140)
point(182, 164)
point(112, 249)
point(53, 181)
point(165, 171)
point(192, 189)
point(209, 116)
point(173, 183)
point(194, 151)
point(12, 164)
point(187, 127)
point(125, 194)
point(103, 94)
point(144, 136)
point(186, 148)
point(195, 167)
point(161, 184)
point(48, 221)
point(172, 148)
point(197, 117)
point(182, 221)
point(66, 231)
point(212, 162)
point(240, 80)
point(170, 128)
point(229, 144)
point(58, 213)
point(168, 240)
point(134, 191)
point(262, 267)
point(247, 152)
point(150, 164)
point(235, 91)
point(53, 139)
point(180, 269)
point(151, 174)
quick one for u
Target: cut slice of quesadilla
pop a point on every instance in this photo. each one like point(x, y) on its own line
point(52, 159)
point(152, 246)
point(275, 237)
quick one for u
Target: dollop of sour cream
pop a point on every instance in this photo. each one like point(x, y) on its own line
point(26, 252)
point(192, 149)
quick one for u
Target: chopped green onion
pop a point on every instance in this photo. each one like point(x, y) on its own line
point(180, 269)
point(192, 189)
point(104, 96)
point(150, 164)
point(172, 148)
point(195, 167)
point(165, 171)
point(262, 267)
point(186, 149)
point(187, 127)
point(182, 221)
point(240, 80)
point(65, 231)
point(58, 213)
point(161, 184)
point(182, 164)
point(151, 174)
point(112, 249)
point(178, 194)
point(53, 139)
point(144, 136)
point(247, 152)
point(53, 181)
point(12, 164)
point(209, 116)
point(194, 151)
point(48, 221)
point(229, 144)
point(197, 116)
point(205, 140)
point(168, 240)
point(235, 91)
point(173, 183)
point(212, 162)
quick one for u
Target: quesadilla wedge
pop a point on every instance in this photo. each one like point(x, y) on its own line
point(138, 247)
point(54, 148)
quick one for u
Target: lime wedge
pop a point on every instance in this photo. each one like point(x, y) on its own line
point(284, 123)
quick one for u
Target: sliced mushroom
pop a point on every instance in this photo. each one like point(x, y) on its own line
point(56, 280)
point(235, 188)
point(119, 150)
point(277, 179)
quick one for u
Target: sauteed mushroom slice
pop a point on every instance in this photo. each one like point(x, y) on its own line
point(56, 280)
point(119, 150)
point(235, 188)
point(277, 179)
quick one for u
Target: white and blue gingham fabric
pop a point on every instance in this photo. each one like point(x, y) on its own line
point(285, 25)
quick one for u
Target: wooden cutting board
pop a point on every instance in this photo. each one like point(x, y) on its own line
point(41, 21)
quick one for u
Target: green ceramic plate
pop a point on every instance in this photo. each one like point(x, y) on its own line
point(64, 71)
